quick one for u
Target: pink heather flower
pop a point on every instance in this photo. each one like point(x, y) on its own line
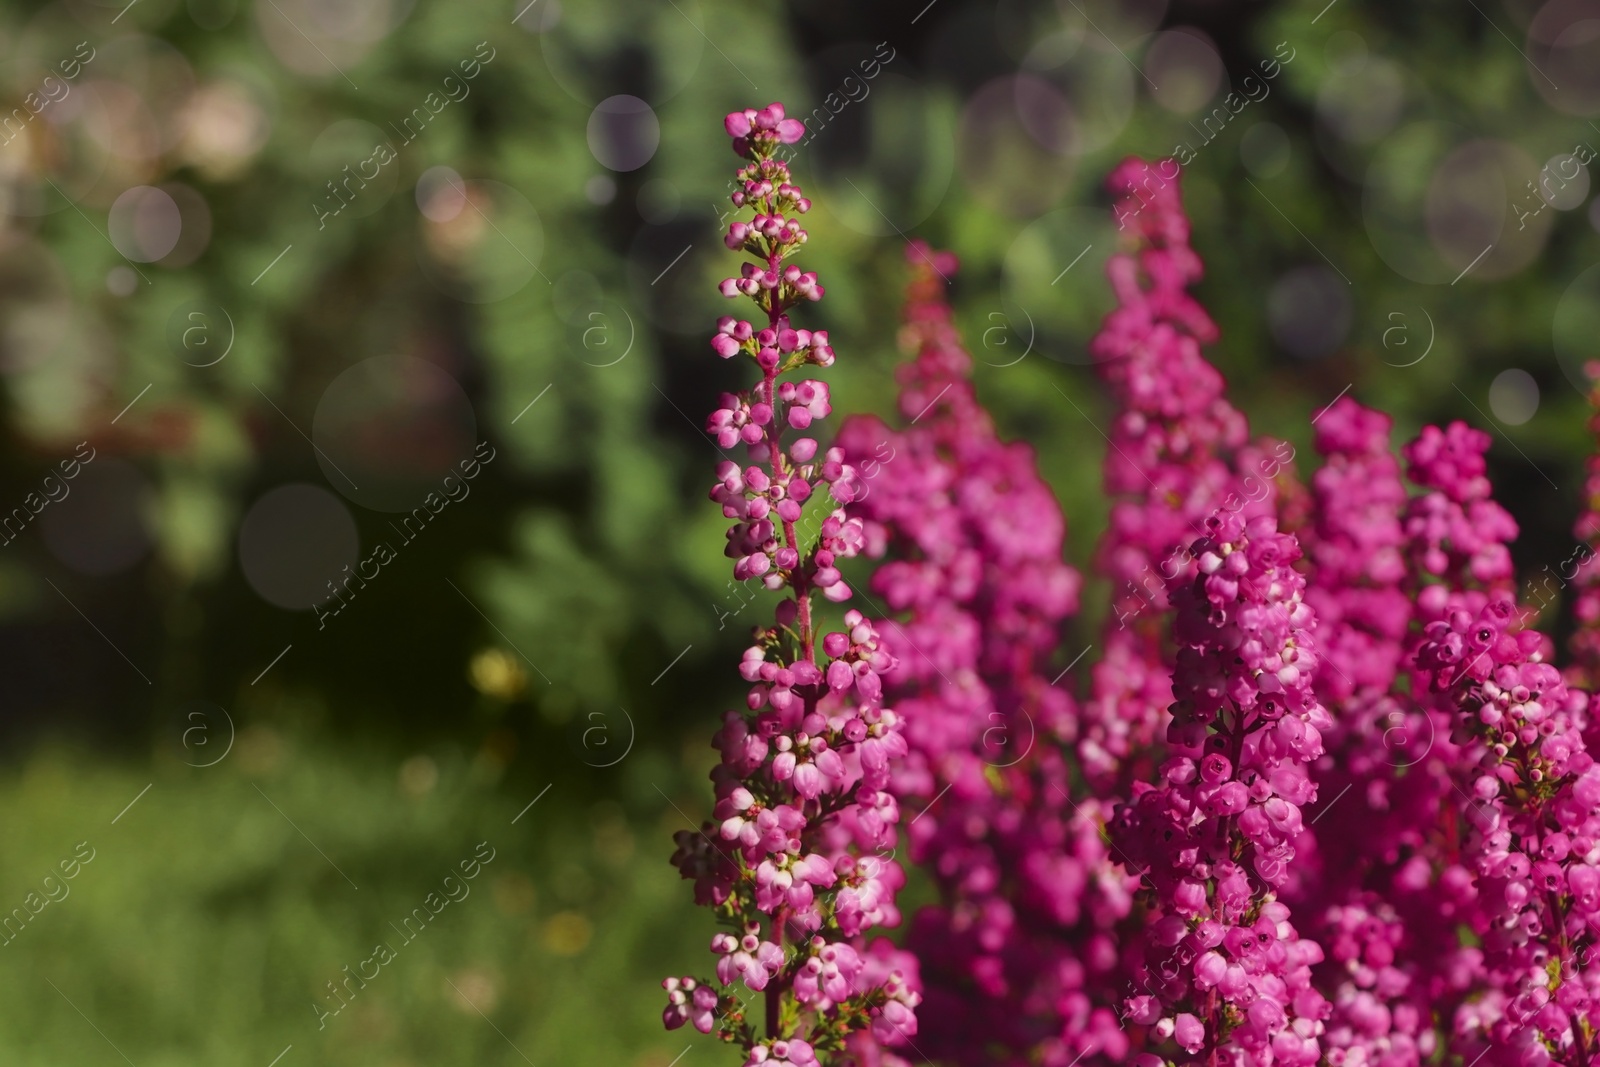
point(1388, 945)
point(1456, 530)
point(689, 1001)
point(807, 401)
point(1580, 567)
point(1357, 547)
point(1242, 687)
point(790, 1053)
point(1167, 469)
point(1392, 883)
point(1527, 791)
point(973, 540)
point(800, 844)
point(1141, 879)
point(756, 133)
point(1189, 1032)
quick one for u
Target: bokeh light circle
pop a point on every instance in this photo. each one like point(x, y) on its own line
point(1095, 82)
point(1513, 396)
point(223, 127)
point(1309, 311)
point(354, 170)
point(1471, 214)
point(623, 133)
point(1563, 55)
point(194, 231)
point(122, 281)
point(294, 541)
point(1362, 100)
point(122, 126)
point(487, 251)
point(1436, 197)
point(390, 429)
point(323, 39)
point(441, 194)
point(1045, 115)
point(1344, 50)
point(1564, 182)
point(1002, 162)
point(145, 85)
point(658, 201)
point(1184, 69)
point(144, 223)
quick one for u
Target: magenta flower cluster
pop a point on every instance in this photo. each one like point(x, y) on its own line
point(1584, 575)
point(972, 538)
point(1322, 795)
point(1213, 839)
point(797, 859)
point(1532, 835)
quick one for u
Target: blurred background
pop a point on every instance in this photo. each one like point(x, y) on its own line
point(352, 498)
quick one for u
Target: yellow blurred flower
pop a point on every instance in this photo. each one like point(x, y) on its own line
point(496, 673)
point(567, 933)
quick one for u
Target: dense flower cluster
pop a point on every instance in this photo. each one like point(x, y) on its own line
point(1364, 898)
point(1166, 467)
point(1337, 808)
point(1214, 838)
point(1585, 568)
point(797, 859)
point(1530, 799)
point(1356, 546)
point(974, 540)
point(1456, 531)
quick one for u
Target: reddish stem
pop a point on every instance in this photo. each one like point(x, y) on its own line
point(775, 989)
point(799, 578)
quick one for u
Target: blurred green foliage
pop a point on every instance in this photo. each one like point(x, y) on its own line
point(206, 926)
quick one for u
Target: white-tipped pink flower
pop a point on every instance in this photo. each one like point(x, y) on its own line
point(804, 818)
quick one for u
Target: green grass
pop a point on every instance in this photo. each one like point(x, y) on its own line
point(206, 925)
